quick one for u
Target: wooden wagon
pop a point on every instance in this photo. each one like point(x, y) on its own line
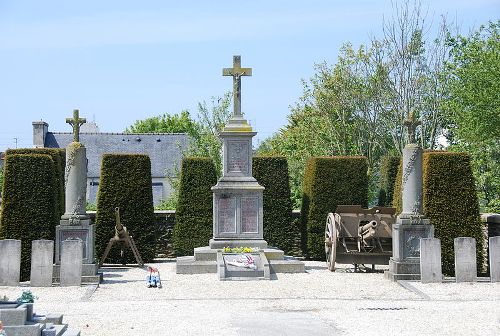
point(354, 235)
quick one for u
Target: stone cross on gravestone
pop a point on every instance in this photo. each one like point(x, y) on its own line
point(412, 125)
point(76, 122)
point(236, 72)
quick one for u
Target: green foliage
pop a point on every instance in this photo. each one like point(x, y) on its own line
point(1, 180)
point(473, 110)
point(450, 201)
point(27, 297)
point(328, 182)
point(194, 213)
point(29, 204)
point(166, 123)
point(272, 173)
point(388, 173)
point(58, 155)
point(126, 183)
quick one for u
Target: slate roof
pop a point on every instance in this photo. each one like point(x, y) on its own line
point(164, 149)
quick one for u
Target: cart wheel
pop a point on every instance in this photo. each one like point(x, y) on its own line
point(331, 237)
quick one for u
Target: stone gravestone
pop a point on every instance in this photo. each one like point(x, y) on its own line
point(237, 202)
point(430, 260)
point(75, 223)
point(411, 225)
point(465, 259)
point(494, 253)
point(42, 258)
point(10, 262)
point(71, 262)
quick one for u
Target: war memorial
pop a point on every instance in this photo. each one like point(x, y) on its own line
point(381, 265)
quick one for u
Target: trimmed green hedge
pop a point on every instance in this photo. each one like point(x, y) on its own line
point(29, 204)
point(126, 183)
point(450, 202)
point(388, 172)
point(59, 157)
point(194, 213)
point(272, 173)
point(328, 182)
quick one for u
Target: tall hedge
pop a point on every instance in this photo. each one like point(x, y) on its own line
point(388, 172)
point(126, 183)
point(328, 182)
point(58, 155)
point(194, 213)
point(272, 173)
point(29, 210)
point(450, 202)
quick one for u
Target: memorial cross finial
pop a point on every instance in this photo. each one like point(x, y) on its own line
point(412, 125)
point(76, 122)
point(236, 72)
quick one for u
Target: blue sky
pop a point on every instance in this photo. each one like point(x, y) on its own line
point(120, 61)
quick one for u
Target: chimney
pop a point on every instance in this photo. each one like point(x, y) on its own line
point(40, 129)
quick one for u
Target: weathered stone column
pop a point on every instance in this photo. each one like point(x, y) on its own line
point(411, 186)
point(76, 182)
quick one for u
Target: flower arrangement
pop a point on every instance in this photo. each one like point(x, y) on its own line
point(27, 297)
point(240, 249)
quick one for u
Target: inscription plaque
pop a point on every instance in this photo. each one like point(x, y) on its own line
point(237, 157)
point(226, 216)
point(73, 234)
point(412, 242)
point(249, 214)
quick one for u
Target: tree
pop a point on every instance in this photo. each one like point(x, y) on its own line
point(473, 111)
point(166, 123)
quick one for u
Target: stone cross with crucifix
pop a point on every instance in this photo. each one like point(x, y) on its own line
point(236, 72)
point(76, 122)
point(412, 125)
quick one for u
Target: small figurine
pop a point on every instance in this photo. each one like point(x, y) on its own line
point(153, 278)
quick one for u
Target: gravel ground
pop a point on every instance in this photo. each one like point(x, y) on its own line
point(317, 302)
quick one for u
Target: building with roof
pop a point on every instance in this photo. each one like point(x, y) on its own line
point(164, 149)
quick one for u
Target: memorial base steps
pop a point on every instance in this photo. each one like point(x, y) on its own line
point(205, 261)
point(90, 274)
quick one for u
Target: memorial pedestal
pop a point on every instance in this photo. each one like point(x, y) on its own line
point(405, 261)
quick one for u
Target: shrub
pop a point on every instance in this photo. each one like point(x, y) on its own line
point(126, 183)
point(58, 155)
point(388, 173)
point(328, 182)
point(449, 201)
point(194, 213)
point(272, 173)
point(29, 210)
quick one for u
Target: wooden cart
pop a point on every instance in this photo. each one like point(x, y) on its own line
point(354, 235)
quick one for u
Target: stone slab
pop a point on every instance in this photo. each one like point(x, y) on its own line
point(205, 253)
point(465, 259)
point(13, 316)
point(274, 254)
point(42, 258)
point(226, 271)
point(188, 265)
point(71, 262)
point(286, 266)
point(24, 330)
point(10, 262)
point(494, 253)
point(71, 332)
point(430, 260)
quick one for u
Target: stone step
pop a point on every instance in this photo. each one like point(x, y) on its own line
point(205, 253)
point(71, 332)
point(87, 269)
point(86, 279)
point(49, 318)
point(274, 254)
point(286, 266)
point(188, 265)
point(24, 330)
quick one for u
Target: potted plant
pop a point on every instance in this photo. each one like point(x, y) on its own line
point(28, 299)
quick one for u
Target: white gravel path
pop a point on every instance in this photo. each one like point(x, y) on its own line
point(318, 302)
